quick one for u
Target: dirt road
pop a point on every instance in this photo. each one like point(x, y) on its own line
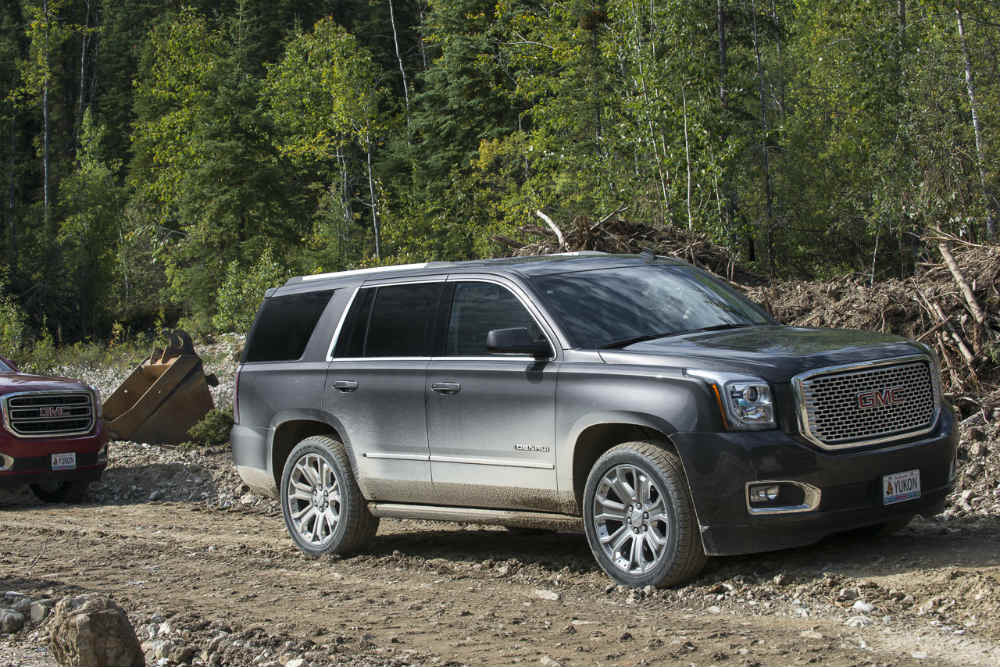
point(431, 593)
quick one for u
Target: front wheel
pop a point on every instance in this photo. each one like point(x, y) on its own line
point(60, 492)
point(323, 507)
point(639, 519)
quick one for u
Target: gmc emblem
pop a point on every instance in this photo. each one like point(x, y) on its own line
point(882, 399)
point(50, 412)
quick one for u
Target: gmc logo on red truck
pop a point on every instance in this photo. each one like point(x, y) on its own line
point(883, 398)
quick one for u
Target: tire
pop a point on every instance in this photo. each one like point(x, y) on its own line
point(61, 492)
point(324, 510)
point(663, 546)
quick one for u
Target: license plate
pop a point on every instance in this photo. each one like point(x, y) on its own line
point(900, 487)
point(65, 461)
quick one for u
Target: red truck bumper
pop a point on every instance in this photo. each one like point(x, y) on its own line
point(25, 461)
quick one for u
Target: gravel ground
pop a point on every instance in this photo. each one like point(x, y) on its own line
point(209, 577)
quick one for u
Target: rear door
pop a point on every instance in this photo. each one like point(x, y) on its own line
point(375, 387)
point(490, 417)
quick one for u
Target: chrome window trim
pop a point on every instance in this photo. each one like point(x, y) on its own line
point(800, 401)
point(810, 501)
point(347, 309)
point(525, 303)
point(340, 323)
point(518, 294)
point(52, 392)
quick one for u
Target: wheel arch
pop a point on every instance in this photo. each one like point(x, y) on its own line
point(600, 433)
point(289, 429)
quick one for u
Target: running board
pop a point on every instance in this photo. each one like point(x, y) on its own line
point(517, 518)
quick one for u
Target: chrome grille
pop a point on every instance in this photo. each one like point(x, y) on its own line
point(45, 414)
point(865, 404)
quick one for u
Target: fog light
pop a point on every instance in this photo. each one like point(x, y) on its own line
point(6, 462)
point(763, 493)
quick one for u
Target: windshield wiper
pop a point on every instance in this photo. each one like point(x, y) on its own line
point(625, 342)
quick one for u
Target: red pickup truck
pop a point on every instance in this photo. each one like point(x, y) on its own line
point(52, 437)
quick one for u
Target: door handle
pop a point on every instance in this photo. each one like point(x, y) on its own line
point(345, 386)
point(446, 388)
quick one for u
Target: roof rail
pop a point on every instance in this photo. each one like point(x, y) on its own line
point(374, 269)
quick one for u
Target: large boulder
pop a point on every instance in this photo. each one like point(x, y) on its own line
point(90, 631)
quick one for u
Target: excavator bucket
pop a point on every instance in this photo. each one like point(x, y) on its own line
point(163, 397)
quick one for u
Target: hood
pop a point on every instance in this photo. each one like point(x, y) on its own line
point(15, 382)
point(773, 352)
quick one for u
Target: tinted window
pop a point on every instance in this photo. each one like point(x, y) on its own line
point(604, 307)
point(393, 321)
point(351, 342)
point(284, 325)
point(4, 368)
point(476, 309)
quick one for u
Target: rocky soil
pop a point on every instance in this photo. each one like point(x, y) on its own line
point(208, 577)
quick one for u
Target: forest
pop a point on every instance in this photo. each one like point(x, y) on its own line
point(165, 161)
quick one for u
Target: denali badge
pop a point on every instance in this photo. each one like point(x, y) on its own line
point(56, 411)
point(883, 398)
point(530, 448)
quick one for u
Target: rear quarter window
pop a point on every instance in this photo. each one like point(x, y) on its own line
point(284, 325)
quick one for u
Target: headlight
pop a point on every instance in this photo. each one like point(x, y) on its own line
point(746, 402)
point(98, 408)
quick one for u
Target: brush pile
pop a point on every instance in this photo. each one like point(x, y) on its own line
point(616, 235)
point(952, 303)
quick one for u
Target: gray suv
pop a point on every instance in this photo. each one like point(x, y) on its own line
point(637, 395)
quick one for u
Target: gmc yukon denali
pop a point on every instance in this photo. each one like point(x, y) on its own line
point(637, 395)
point(52, 437)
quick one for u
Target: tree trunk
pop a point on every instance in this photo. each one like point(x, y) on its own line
point(45, 121)
point(11, 220)
point(971, 89)
point(687, 157)
point(345, 199)
point(374, 199)
point(84, 40)
point(765, 158)
point(647, 107)
point(721, 20)
point(399, 59)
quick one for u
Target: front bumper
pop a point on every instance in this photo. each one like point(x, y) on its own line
point(719, 465)
point(32, 458)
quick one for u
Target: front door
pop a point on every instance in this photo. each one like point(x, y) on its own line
point(490, 417)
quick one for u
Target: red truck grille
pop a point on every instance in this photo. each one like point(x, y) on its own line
point(46, 414)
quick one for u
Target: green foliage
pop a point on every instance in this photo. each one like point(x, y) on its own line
point(213, 429)
point(186, 142)
point(14, 335)
point(243, 290)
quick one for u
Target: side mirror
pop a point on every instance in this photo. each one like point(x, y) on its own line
point(516, 341)
point(10, 363)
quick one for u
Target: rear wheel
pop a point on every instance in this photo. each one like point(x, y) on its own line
point(639, 519)
point(61, 492)
point(323, 507)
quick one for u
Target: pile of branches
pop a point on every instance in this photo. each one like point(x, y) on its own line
point(618, 235)
point(951, 304)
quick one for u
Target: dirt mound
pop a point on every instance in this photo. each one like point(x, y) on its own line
point(617, 235)
point(952, 305)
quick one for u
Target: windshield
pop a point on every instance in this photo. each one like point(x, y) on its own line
point(617, 307)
